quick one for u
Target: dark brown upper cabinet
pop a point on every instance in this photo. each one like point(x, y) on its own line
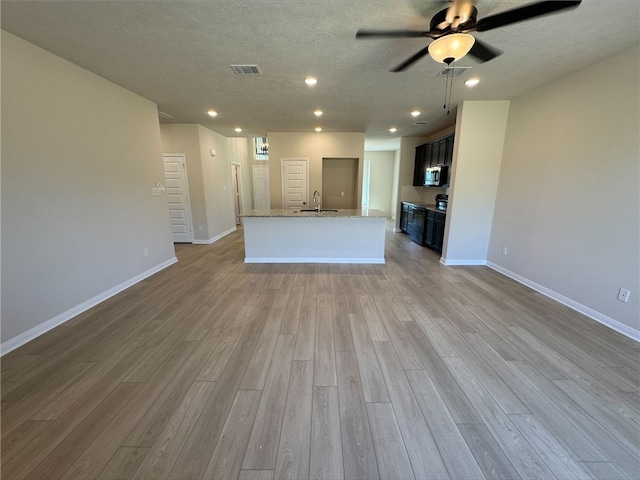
point(437, 152)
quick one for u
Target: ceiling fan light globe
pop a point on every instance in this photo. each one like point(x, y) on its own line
point(453, 46)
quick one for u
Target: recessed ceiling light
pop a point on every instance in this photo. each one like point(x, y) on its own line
point(472, 82)
point(238, 129)
point(311, 81)
point(318, 129)
point(318, 113)
point(393, 129)
point(212, 113)
point(415, 113)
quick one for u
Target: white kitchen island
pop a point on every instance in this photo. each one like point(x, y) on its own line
point(294, 236)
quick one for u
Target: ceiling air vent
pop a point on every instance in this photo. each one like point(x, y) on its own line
point(246, 69)
point(163, 115)
point(420, 123)
point(453, 71)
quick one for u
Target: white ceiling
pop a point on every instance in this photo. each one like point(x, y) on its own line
point(178, 55)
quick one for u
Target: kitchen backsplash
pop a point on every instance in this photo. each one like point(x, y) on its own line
point(420, 194)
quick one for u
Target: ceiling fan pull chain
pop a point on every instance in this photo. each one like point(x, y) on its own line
point(446, 86)
point(450, 88)
point(445, 92)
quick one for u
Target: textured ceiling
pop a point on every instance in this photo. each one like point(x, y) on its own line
point(177, 54)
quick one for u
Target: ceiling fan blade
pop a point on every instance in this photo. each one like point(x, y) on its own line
point(411, 60)
point(483, 52)
point(523, 13)
point(364, 33)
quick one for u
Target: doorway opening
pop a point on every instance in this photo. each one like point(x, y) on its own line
point(340, 183)
point(261, 195)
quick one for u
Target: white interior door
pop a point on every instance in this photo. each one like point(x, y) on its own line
point(175, 175)
point(261, 199)
point(294, 183)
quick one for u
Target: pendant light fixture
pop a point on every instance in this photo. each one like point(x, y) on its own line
point(451, 48)
point(447, 50)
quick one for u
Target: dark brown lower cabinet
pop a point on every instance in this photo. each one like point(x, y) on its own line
point(424, 226)
point(434, 230)
point(417, 229)
point(404, 218)
point(428, 234)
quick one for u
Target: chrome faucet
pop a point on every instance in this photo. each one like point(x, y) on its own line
point(316, 199)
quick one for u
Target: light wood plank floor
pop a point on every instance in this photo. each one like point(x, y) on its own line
point(217, 369)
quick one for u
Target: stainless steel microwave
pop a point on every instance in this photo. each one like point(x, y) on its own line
point(435, 176)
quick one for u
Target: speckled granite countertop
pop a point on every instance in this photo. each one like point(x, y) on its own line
point(341, 213)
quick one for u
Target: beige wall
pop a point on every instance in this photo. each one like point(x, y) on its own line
point(80, 156)
point(216, 173)
point(210, 187)
point(315, 147)
point(477, 155)
point(568, 198)
point(242, 153)
point(184, 138)
point(395, 187)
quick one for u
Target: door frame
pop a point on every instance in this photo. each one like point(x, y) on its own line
point(188, 213)
point(266, 168)
point(238, 182)
point(366, 182)
point(282, 184)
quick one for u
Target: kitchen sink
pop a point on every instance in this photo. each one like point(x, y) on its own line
point(314, 210)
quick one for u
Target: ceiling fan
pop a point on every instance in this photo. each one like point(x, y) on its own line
point(450, 29)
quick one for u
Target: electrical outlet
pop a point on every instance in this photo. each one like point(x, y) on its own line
point(623, 295)
point(146, 252)
point(504, 250)
point(201, 228)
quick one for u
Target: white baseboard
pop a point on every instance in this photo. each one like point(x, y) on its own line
point(378, 261)
point(578, 307)
point(214, 239)
point(29, 335)
point(448, 263)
